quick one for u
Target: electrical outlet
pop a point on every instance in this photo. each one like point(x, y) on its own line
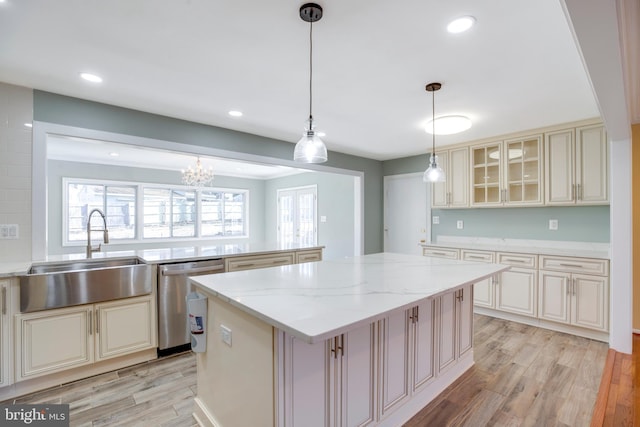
point(553, 224)
point(225, 333)
point(436, 220)
point(459, 225)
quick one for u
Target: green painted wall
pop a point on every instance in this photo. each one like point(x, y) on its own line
point(63, 110)
point(580, 224)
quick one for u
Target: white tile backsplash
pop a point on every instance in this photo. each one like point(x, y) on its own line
point(16, 109)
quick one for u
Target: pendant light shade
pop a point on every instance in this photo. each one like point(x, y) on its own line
point(434, 173)
point(310, 148)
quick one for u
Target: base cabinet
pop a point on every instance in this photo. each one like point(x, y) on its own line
point(55, 340)
point(339, 372)
point(369, 376)
point(5, 333)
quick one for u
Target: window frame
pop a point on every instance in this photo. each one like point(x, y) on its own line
point(139, 211)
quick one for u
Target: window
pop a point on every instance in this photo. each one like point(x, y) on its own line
point(223, 213)
point(164, 212)
point(115, 201)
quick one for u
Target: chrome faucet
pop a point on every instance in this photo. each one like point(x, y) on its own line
point(105, 236)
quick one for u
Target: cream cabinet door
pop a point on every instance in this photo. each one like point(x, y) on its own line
point(124, 327)
point(5, 333)
point(454, 192)
point(523, 177)
point(591, 166)
point(483, 291)
point(423, 344)
point(590, 307)
point(465, 320)
point(355, 370)
point(517, 292)
point(53, 340)
point(559, 167)
point(447, 333)
point(555, 296)
point(306, 383)
point(486, 178)
point(395, 359)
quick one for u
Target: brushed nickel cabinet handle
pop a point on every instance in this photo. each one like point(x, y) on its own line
point(97, 321)
point(90, 320)
point(562, 264)
point(4, 300)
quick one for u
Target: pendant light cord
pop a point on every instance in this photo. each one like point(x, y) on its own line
point(310, 71)
point(433, 123)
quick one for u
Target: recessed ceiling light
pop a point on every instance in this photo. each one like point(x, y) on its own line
point(460, 25)
point(235, 113)
point(91, 77)
point(321, 134)
point(448, 125)
point(27, 125)
point(114, 154)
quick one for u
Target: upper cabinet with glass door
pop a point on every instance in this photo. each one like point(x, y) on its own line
point(508, 173)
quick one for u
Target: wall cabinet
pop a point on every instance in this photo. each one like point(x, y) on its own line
point(507, 173)
point(55, 340)
point(318, 372)
point(454, 192)
point(516, 289)
point(576, 166)
point(575, 291)
point(5, 333)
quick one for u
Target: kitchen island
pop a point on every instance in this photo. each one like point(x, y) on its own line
point(368, 340)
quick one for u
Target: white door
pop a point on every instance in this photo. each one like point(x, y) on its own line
point(406, 209)
point(297, 216)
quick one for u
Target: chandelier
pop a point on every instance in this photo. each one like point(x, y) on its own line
point(198, 176)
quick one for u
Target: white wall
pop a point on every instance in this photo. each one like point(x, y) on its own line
point(16, 109)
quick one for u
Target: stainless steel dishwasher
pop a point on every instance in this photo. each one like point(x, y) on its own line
point(173, 287)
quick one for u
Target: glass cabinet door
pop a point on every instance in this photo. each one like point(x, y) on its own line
point(486, 174)
point(522, 170)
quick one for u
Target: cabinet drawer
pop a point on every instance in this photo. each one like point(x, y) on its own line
point(479, 256)
point(251, 262)
point(518, 260)
point(598, 267)
point(309, 256)
point(441, 252)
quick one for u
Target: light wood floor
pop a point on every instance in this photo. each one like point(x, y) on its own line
point(524, 376)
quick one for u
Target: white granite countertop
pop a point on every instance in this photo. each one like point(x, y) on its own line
point(156, 256)
point(316, 301)
point(539, 247)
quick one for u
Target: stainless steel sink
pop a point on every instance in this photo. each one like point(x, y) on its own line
point(48, 286)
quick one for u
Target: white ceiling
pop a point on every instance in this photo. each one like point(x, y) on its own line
point(517, 69)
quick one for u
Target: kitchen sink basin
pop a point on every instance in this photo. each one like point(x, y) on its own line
point(82, 265)
point(65, 284)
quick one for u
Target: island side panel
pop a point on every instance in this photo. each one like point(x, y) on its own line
point(235, 383)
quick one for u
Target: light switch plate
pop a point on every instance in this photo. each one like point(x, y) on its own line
point(436, 220)
point(225, 333)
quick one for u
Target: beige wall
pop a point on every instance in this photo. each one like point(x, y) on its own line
point(16, 109)
point(635, 171)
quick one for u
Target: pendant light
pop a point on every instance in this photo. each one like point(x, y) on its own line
point(434, 173)
point(310, 148)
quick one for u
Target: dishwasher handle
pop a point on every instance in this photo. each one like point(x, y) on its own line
point(209, 269)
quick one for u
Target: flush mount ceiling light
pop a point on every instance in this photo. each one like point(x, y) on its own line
point(310, 148)
point(448, 125)
point(460, 25)
point(198, 176)
point(91, 77)
point(434, 173)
